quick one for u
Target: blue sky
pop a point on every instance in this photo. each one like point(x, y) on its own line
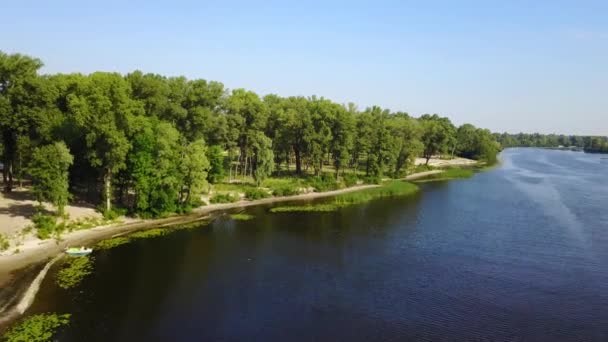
point(505, 65)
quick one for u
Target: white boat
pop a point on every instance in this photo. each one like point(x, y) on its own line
point(75, 251)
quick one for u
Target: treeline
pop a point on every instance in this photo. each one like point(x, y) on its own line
point(591, 144)
point(152, 143)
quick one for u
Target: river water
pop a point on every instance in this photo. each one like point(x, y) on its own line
point(518, 253)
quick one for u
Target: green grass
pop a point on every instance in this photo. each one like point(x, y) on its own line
point(241, 217)
point(453, 173)
point(305, 208)
point(224, 198)
point(4, 243)
point(73, 271)
point(111, 243)
point(255, 194)
point(389, 189)
point(36, 328)
point(150, 233)
point(238, 187)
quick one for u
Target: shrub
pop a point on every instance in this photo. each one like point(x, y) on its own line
point(224, 198)
point(325, 182)
point(45, 225)
point(372, 180)
point(285, 190)
point(75, 269)
point(4, 243)
point(256, 193)
point(350, 180)
point(113, 213)
point(37, 328)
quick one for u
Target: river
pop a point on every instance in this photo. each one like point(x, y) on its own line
point(516, 253)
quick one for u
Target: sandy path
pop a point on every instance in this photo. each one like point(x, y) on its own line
point(446, 162)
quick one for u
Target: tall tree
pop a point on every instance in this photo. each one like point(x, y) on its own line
point(49, 170)
point(102, 108)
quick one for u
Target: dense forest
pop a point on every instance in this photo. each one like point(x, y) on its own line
point(152, 144)
point(591, 144)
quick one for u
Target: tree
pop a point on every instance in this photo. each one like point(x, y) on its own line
point(193, 170)
point(25, 99)
point(102, 108)
point(263, 160)
point(437, 135)
point(215, 156)
point(49, 170)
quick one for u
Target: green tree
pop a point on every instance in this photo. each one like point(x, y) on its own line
point(102, 109)
point(263, 160)
point(215, 155)
point(193, 170)
point(49, 170)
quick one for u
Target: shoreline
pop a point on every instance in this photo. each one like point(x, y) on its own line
point(18, 269)
point(39, 250)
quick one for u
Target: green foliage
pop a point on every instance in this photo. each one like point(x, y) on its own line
point(49, 170)
point(325, 182)
point(452, 173)
point(284, 190)
point(149, 233)
point(111, 243)
point(350, 180)
point(4, 243)
point(215, 155)
point(36, 328)
point(74, 270)
point(241, 217)
point(254, 194)
point(389, 189)
point(45, 225)
point(140, 141)
point(305, 208)
point(113, 213)
point(224, 198)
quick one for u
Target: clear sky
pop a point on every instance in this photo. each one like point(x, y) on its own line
point(509, 65)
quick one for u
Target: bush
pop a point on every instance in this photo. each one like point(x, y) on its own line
point(350, 180)
point(254, 194)
point(372, 180)
point(113, 213)
point(325, 182)
point(285, 190)
point(4, 243)
point(45, 225)
point(224, 198)
point(37, 328)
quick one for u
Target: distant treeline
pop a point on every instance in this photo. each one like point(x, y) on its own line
point(591, 144)
point(151, 143)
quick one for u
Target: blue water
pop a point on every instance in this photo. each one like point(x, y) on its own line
point(518, 253)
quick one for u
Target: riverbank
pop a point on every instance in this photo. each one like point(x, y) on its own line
point(35, 250)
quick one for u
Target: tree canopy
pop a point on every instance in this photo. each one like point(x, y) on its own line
point(150, 143)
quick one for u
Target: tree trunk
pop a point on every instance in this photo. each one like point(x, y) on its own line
point(107, 180)
point(298, 161)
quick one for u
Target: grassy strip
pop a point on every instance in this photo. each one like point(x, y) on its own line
point(111, 243)
point(74, 270)
point(241, 217)
point(150, 233)
point(305, 208)
point(36, 328)
point(389, 189)
point(453, 173)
